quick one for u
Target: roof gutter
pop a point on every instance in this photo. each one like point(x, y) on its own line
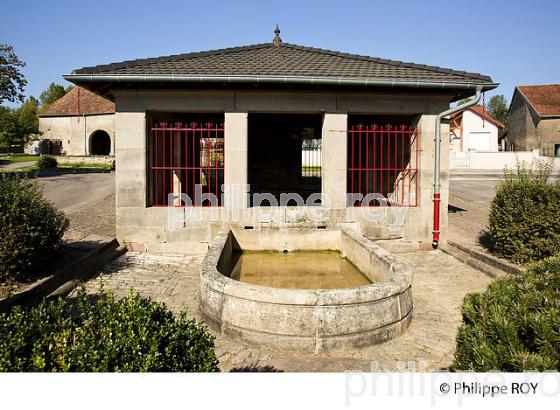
point(437, 156)
point(93, 78)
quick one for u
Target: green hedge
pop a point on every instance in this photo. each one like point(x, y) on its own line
point(47, 162)
point(31, 228)
point(97, 333)
point(525, 215)
point(515, 325)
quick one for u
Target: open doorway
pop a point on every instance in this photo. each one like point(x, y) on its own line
point(284, 157)
point(100, 143)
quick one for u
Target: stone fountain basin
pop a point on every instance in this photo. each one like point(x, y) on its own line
point(306, 319)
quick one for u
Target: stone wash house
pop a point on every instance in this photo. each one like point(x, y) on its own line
point(269, 119)
point(81, 123)
point(473, 129)
point(534, 119)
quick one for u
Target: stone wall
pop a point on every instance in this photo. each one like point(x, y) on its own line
point(522, 125)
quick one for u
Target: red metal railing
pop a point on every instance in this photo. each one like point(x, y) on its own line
point(186, 159)
point(383, 160)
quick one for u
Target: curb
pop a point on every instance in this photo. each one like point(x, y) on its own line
point(483, 258)
point(66, 279)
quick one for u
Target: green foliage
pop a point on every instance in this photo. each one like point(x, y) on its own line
point(51, 94)
point(12, 82)
point(17, 126)
point(47, 162)
point(515, 325)
point(525, 214)
point(97, 333)
point(32, 227)
point(497, 108)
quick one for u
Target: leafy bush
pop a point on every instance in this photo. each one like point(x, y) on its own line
point(47, 162)
point(525, 215)
point(31, 227)
point(515, 325)
point(97, 333)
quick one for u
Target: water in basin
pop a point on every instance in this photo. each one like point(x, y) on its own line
point(297, 270)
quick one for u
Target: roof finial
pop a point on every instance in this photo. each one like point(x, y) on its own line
point(277, 40)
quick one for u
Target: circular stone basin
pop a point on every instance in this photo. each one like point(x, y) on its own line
point(306, 319)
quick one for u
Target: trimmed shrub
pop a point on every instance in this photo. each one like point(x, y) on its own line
point(515, 325)
point(31, 227)
point(98, 333)
point(47, 162)
point(525, 214)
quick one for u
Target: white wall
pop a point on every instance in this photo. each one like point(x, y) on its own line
point(75, 132)
point(496, 160)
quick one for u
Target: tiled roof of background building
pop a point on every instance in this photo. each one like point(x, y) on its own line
point(545, 99)
point(78, 101)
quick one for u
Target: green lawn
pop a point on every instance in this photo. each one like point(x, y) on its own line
point(18, 158)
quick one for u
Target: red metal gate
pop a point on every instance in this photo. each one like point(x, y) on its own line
point(186, 159)
point(383, 160)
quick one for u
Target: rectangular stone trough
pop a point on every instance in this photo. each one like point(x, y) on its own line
point(306, 319)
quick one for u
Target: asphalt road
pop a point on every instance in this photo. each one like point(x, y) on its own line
point(72, 192)
point(471, 189)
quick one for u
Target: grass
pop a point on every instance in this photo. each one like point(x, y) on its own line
point(84, 165)
point(18, 158)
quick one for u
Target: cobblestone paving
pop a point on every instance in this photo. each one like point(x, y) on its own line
point(96, 219)
point(439, 285)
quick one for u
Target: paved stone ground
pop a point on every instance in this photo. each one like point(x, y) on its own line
point(97, 219)
point(439, 285)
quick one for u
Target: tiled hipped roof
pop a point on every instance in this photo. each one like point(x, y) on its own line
point(287, 60)
point(545, 99)
point(78, 101)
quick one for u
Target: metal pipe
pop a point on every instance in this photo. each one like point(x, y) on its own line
point(76, 78)
point(437, 156)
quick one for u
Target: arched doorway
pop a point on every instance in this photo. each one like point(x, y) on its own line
point(100, 143)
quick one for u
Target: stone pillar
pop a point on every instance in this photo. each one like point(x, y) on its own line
point(130, 157)
point(333, 162)
point(235, 158)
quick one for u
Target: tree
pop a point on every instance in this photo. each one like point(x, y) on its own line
point(12, 82)
point(497, 108)
point(17, 126)
point(51, 94)
point(28, 119)
point(464, 100)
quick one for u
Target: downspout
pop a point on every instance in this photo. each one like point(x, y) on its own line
point(437, 156)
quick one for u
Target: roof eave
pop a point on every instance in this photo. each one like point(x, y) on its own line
point(258, 79)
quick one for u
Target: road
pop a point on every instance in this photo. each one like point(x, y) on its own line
point(469, 199)
point(72, 192)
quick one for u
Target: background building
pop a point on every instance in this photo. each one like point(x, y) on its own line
point(534, 119)
point(474, 129)
point(81, 123)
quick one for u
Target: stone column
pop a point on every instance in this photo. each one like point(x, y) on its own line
point(235, 157)
point(130, 156)
point(333, 162)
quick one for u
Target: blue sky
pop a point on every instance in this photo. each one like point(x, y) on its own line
point(515, 42)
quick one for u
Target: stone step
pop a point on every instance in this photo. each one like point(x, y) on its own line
point(398, 246)
point(382, 232)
